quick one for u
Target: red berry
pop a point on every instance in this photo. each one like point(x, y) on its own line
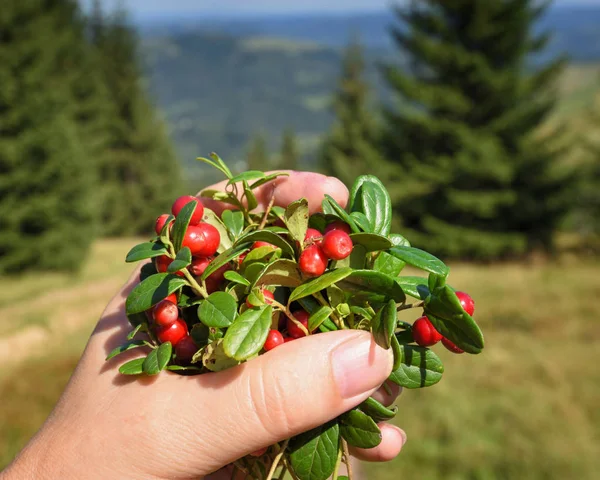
point(293, 329)
point(288, 339)
point(199, 264)
point(165, 313)
point(203, 239)
point(338, 225)
point(241, 258)
point(337, 245)
point(466, 302)
point(274, 339)
point(212, 285)
point(173, 333)
point(269, 297)
point(450, 346)
point(160, 223)
point(313, 236)
point(425, 333)
point(219, 274)
point(260, 452)
point(172, 298)
point(182, 202)
point(260, 243)
point(162, 263)
point(313, 261)
point(185, 349)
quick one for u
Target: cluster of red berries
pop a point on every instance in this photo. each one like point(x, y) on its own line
point(170, 327)
point(334, 244)
point(425, 334)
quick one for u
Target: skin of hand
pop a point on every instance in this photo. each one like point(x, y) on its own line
point(106, 425)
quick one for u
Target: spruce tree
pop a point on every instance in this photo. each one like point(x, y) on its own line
point(258, 156)
point(141, 175)
point(289, 151)
point(479, 180)
point(351, 147)
point(46, 181)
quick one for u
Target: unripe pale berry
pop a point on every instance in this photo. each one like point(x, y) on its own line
point(202, 240)
point(173, 333)
point(466, 302)
point(182, 202)
point(274, 339)
point(425, 333)
point(450, 346)
point(293, 329)
point(313, 261)
point(165, 313)
point(338, 225)
point(160, 223)
point(337, 245)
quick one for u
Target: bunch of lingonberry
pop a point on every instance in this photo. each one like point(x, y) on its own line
point(220, 290)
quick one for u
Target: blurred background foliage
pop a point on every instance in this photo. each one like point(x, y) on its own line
point(482, 118)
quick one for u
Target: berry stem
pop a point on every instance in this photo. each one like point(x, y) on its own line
point(408, 306)
point(276, 460)
point(290, 469)
point(267, 211)
point(289, 314)
point(334, 315)
point(347, 458)
point(338, 462)
point(199, 290)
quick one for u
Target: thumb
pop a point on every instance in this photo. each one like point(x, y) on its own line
point(293, 388)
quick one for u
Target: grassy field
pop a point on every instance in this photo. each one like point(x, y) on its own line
point(526, 408)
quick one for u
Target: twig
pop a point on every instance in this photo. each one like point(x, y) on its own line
point(194, 284)
point(267, 211)
point(410, 305)
point(338, 462)
point(347, 458)
point(290, 469)
point(276, 460)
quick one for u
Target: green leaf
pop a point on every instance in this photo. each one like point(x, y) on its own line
point(217, 163)
point(267, 179)
point(144, 251)
point(165, 233)
point(420, 367)
point(133, 367)
point(215, 359)
point(221, 196)
point(377, 411)
point(148, 269)
point(270, 237)
point(412, 285)
point(251, 200)
point(125, 347)
point(212, 218)
point(370, 197)
point(371, 283)
point(234, 221)
point(318, 317)
point(218, 310)
point(251, 272)
point(443, 309)
point(157, 359)
point(420, 259)
point(137, 320)
point(224, 258)
point(398, 240)
point(362, 221)
point(388, 264)
point(435, 281)
point(236, 278)
point(247, 176)
point(317, 284)
point(313, 454)
point(248, 333)
point(319, 221)
point(182, 260)
point(181, 224)
point(136, 328)
point(331, 207)
point(371, 241)
point(296, 219)
point(151, 291)
point(359, 430)
point(384, 324)
point(260, 255)
point(284, 273)
point(397, 350)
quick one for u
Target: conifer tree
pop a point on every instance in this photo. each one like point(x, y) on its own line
point(46, 181)
point(479, 181)
point(141, 174)
point(351, 147)
point(289, 151)
point(258, 156)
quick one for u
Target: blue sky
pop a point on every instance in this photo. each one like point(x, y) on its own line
point(242, 7)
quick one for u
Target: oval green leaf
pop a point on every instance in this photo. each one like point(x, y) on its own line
point(182, 260)
point(318, 317)
point(181, 224)
point(247, 176)
point(331, 207)
point(411, 285)
point(211, 218)
point(359, 430)
point(383, 324)
point(372, 199)
point(218, 310)
point(377, 411)
point(420, 367)
point(248, 333)
point(270, 237)
point(372, 283)
point(133, 367)
point(125, 347)
point(235, 277)
point(144, 251)
point(313, 454)
point(283, 272)
point(362, 221)
point(317, 284)
point(371, 241)
point(234, 221)
point(224, 258)
point(296, 219)
point(151, 291)
point(157, 359)
point(388, 264)
point(420, 259)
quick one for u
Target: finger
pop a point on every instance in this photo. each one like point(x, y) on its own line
point(285, 190)
point(289, 390)
point(387, 394)
point(392, 441)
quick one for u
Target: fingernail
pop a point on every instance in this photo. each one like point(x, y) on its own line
point(403, 435)
point(360, 365)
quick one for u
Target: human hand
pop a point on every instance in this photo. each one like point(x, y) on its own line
point(106, 425)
